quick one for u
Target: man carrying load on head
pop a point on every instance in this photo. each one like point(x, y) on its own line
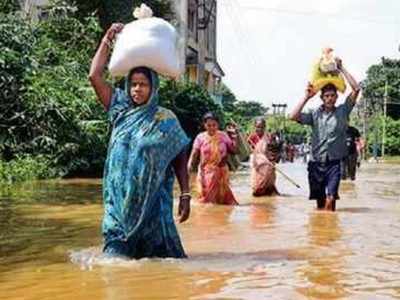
point(329, 125)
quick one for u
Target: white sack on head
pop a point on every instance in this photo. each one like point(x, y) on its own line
point(148, 42)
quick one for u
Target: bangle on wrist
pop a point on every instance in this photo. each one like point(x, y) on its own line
point(186, 194)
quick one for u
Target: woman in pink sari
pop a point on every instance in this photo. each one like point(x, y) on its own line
point(212, 148)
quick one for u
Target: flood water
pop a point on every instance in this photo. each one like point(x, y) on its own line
point(266, 248)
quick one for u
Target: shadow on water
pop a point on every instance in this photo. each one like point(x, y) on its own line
point(324, 270)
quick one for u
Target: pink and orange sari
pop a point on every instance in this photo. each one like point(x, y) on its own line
point(263, 174)
point(213, 173)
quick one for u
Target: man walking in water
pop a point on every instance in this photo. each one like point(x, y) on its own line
point(349, 162)
point(328, 142)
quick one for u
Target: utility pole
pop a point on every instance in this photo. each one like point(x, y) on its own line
point(385, 100)
point(365, 126)
point(280, 112)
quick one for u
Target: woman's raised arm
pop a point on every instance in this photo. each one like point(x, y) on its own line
point(100, 85)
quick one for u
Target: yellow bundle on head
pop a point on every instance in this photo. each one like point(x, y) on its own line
point(325, 71)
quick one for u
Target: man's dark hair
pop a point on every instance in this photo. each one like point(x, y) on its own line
point(328, 88)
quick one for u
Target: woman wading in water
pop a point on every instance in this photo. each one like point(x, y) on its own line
point(212, 148)
point(146, 149)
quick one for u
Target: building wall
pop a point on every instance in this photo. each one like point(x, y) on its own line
point(201, 53)
point(33, 8)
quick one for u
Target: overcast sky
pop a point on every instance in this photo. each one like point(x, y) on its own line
point(267, 47)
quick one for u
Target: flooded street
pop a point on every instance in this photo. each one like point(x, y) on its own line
point(266, 248)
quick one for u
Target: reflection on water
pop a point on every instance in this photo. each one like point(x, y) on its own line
point(323, 267)
point(266, 248)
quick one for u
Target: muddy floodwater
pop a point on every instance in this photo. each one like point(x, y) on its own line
point(266, 248)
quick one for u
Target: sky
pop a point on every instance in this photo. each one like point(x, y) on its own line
point(267, 47)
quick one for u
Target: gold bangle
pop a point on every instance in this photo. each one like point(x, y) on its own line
point(187, 194)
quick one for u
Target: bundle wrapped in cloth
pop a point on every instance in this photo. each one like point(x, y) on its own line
point(149, 42)
point(243, 149)
point(325, 71)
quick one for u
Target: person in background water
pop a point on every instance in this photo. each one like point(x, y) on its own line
point(212, 148)
point(360, 145)
point(146, 148)
point(329, 125)
point(233, 160)
point(256, 136)
point(290, 152)
point(265, 154)
point(349, 162)
point(305, 151)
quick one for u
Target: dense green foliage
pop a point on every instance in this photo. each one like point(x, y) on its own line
point(9, 6)
point(110, 11)
point(47, 106)
point(25, 168)
point(245, 113)
point(241, 112)
point(291, 131)
point(16, 39)
point(189, 102)
point(49, 111)
point(374, 136)
point(378, 76)
point(388, 71)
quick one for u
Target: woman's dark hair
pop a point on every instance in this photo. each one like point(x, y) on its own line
point(143, 70)
point(210, 116)
point(328, 88)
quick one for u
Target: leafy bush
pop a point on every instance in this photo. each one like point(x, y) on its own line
point(9, 6)
point(392, 141)
point(16, 40)
point(25, 168)
point(47, 105)
point(189, 102)
point(393, 136)
point(378, 75)
point(110, 11)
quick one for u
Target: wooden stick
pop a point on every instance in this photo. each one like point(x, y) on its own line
point(276, 168)
point(284, 175)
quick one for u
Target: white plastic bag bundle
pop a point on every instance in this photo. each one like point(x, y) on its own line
point(149, 42)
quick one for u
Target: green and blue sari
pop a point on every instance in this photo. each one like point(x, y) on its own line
point(138, 178)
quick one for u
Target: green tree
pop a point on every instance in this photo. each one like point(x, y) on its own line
point(189, 102)
point(228, 98)
point(245, 112)
point(292, 131)
point(9, 6)
point(110, 11)
point(392, 140)
point(388, 71)
point(16, 40)
point(47, 106)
